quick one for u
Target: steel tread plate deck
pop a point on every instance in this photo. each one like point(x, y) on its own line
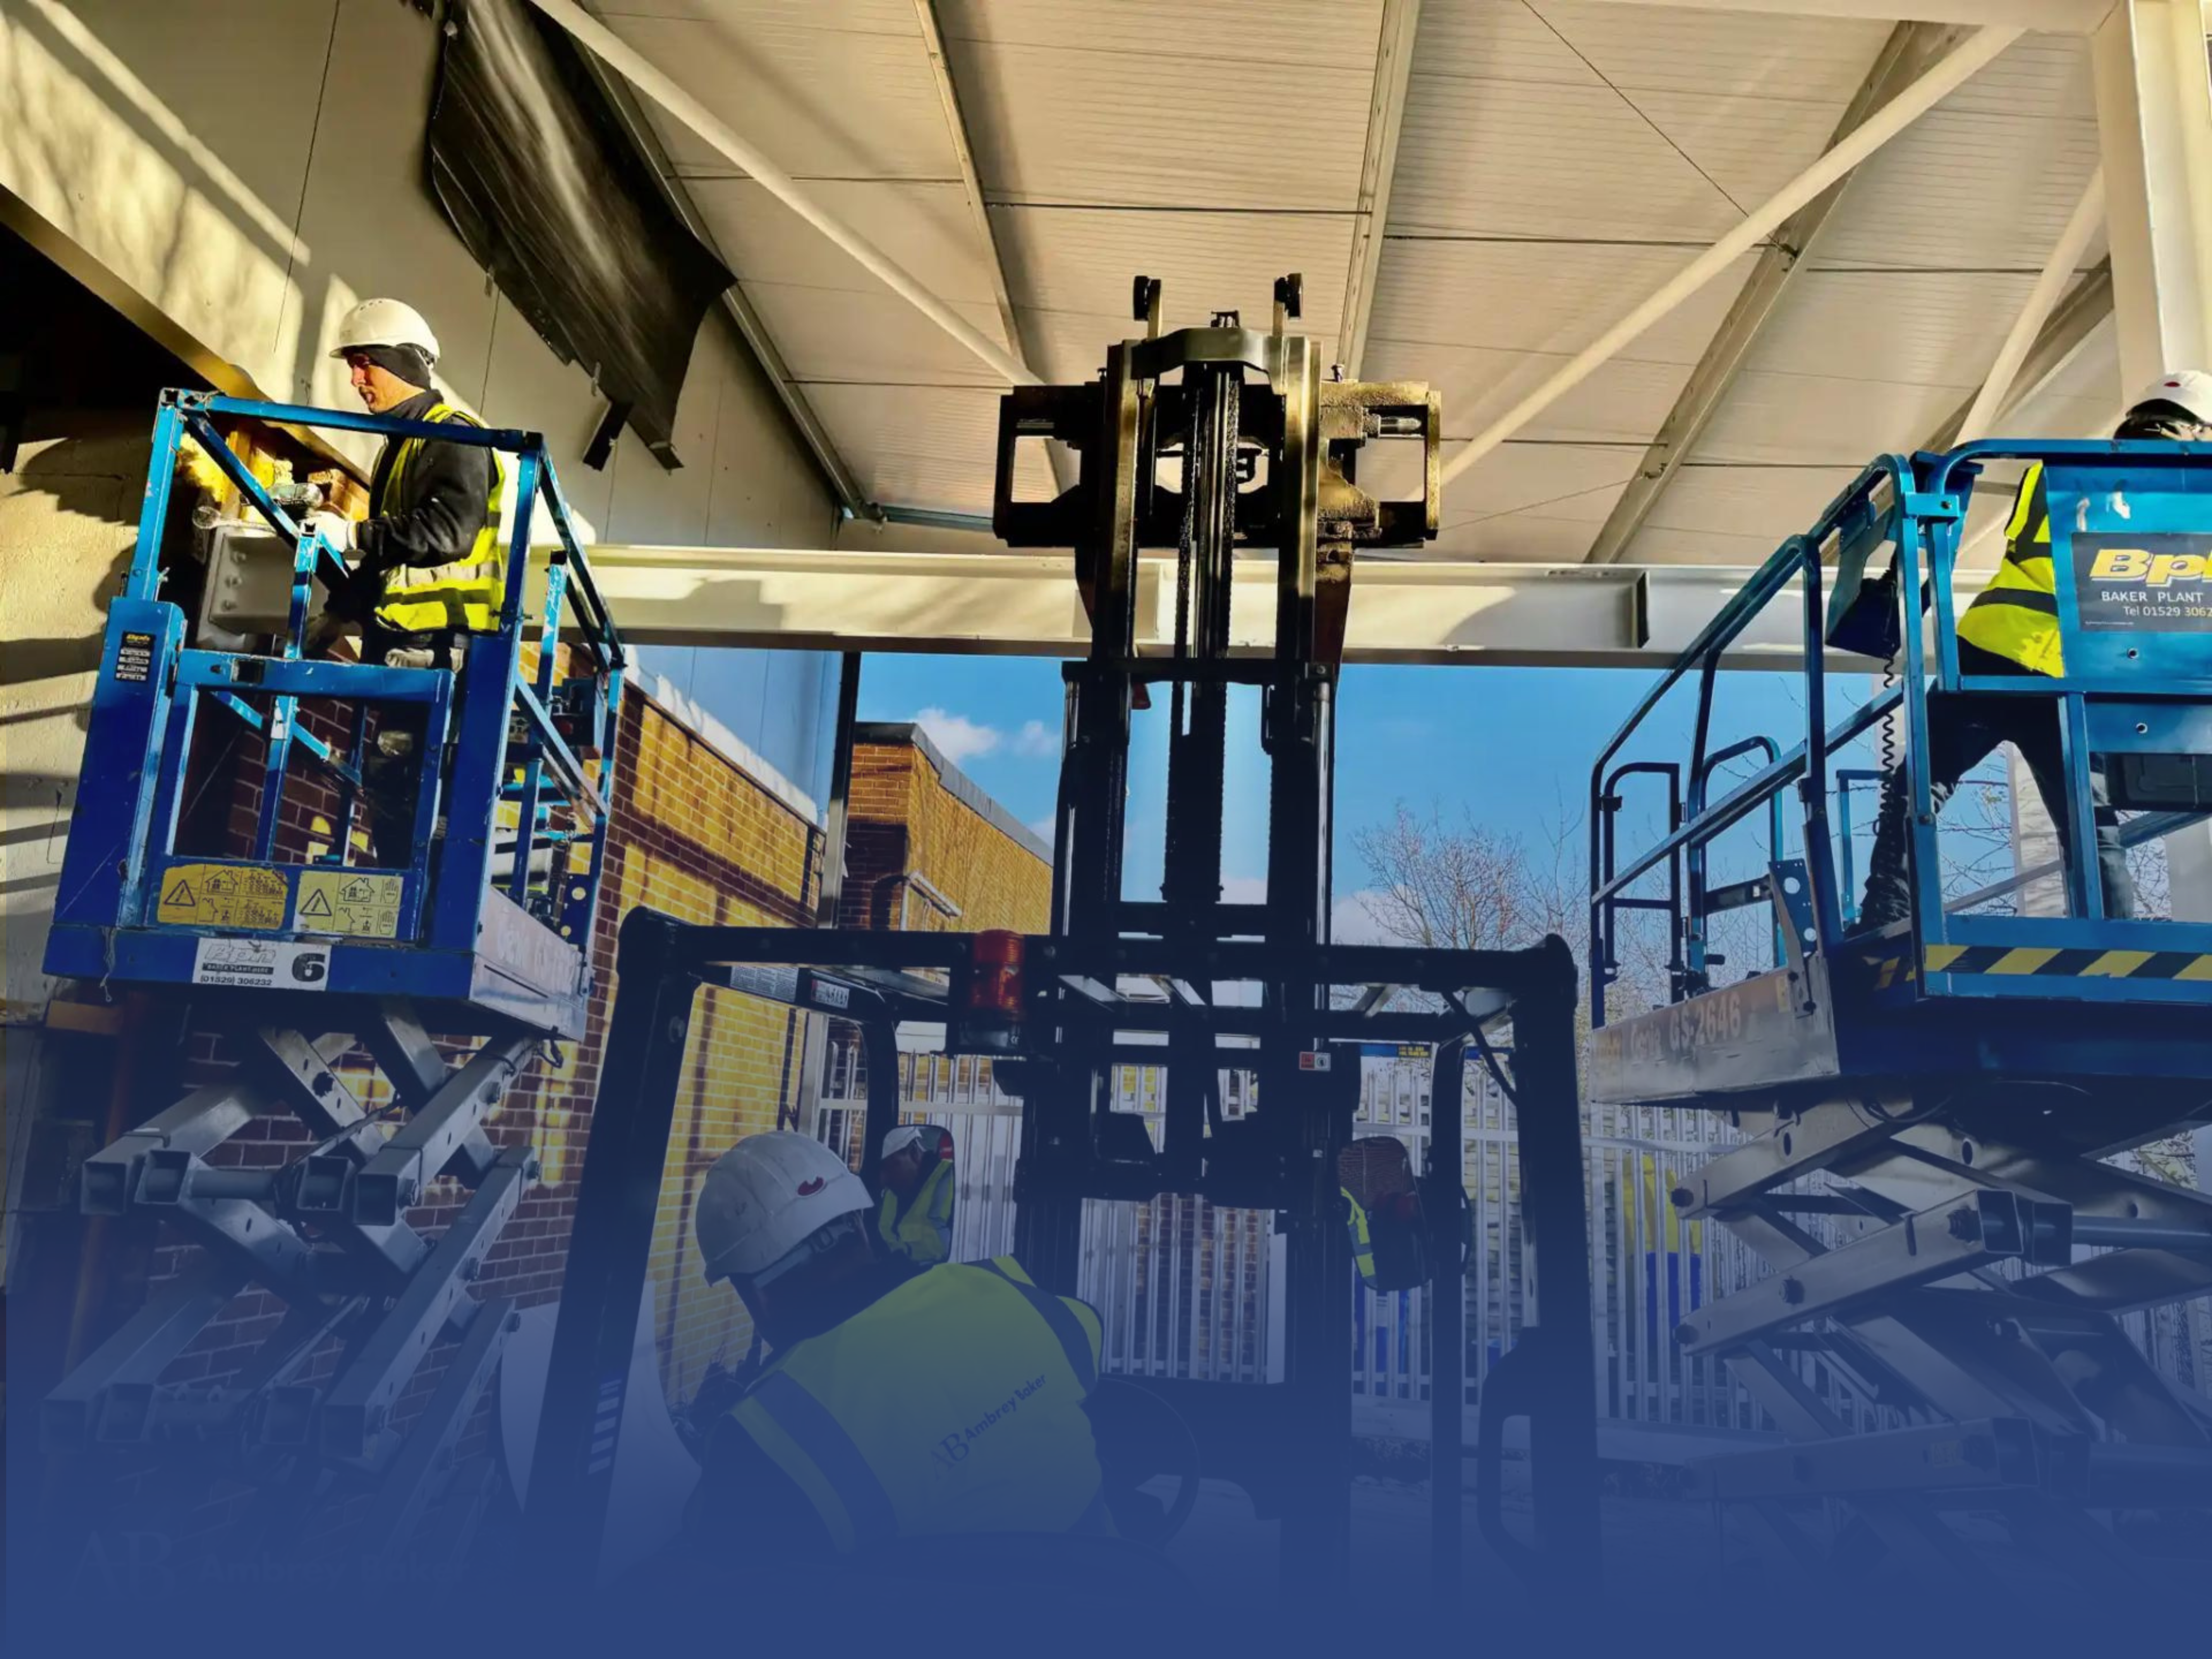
point(454, 992)
point(1747, 1039)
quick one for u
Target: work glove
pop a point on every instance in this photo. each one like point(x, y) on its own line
point(334, 528)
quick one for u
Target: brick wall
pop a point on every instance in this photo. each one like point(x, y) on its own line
point(912, 815)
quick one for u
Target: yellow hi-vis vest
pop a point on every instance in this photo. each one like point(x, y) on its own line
point(953, 1404)
point(2016, 616)
point(465, 595)
point(1363, 1245)
point(924, 1232)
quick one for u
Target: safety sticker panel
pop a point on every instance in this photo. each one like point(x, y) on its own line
point(223, 895)
point(264, 964)
point(348, 902)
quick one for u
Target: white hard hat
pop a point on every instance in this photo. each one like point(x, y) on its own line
point(2186, 388)
point(385, 322)
point(768, 1195)
point(906, 1135)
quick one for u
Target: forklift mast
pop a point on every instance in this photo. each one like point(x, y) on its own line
point(1231, 447)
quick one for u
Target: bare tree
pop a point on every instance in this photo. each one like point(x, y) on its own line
point(1460, 883)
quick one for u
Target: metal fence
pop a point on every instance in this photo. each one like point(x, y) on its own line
point(1187, 1289)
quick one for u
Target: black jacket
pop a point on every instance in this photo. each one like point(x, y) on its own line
point(444, 498)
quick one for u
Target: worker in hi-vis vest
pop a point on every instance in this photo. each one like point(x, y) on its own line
point(898, 1403)
point(428, 562)
point(915, 1217)
point(2012, 628)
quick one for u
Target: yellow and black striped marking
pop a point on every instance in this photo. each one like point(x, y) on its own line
point(2044, 960)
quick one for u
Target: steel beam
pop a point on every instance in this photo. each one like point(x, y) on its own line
point(2086, 308)
point(2057, 275)
point(1905, 57)
point(1953, 71)
point(1378, 165)
point(987, 604)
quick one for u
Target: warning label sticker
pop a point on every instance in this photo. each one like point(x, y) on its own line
point(134, 657)
point(266, 963)
point(348, 902)
point(223, 895)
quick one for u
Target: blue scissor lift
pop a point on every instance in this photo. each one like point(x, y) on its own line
point(300, 948)
point(1927, 1111)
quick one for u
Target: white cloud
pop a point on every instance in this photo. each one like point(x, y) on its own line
point(1042, 829)
point(1351, 919)
point(956, 737)
point(1037, 741)
point(1244, 890)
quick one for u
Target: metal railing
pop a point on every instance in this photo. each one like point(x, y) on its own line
point(1917, 507)
point(511, 752)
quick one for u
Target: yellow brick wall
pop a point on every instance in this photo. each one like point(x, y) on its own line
point(903, 820)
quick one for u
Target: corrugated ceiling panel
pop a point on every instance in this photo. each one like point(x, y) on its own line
point(826, 335)
point(857, 16)
point(792, 91)
point(1502, 158)
point(1770, 503)
point(1535, 538)
point(1717, 53)
point(1750, 147)
point(1069, 347)
point(1929, 328)
point(1812, 417)
point(1082, 261)
point(1624, 401)
point(1314, 35)
point(1538, 296)
point(924, 448)
point(926, 226)
point(2048, 76)
point(1497, 40)
point(1051, 125)
point(1962, 189)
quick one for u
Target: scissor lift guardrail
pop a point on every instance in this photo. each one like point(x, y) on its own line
point(300, 954)
point(1935, 1105)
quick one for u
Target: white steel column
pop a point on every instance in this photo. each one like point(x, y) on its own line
point(2154, 120)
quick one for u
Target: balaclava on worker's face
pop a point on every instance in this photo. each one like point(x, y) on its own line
point(384, 377)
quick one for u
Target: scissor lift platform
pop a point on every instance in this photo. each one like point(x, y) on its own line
point(1932, 1113)
point(299, 946)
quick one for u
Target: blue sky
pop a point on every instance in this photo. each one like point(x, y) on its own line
point(1511, 747)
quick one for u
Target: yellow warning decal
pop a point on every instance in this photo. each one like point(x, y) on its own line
point(223, 895)
point(349, 901)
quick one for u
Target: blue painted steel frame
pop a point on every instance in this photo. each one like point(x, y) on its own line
point(2125, 690)
point(146, 701)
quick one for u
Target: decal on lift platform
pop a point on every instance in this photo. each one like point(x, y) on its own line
point(223, 895)
point(264, 963)
point(2161, 583)
point(134, 657)
point(348, 902)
